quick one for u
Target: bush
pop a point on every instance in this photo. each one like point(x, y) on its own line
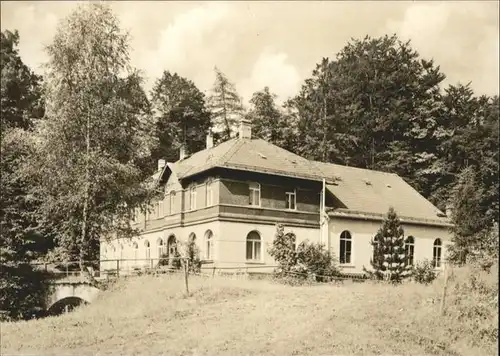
point(314, 259)
point(193, 253)
point(423, 272)
point(308, 261)
point(23, 291)
point(283, 250)
point(472, 305)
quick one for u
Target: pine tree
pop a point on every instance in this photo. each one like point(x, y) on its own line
point(389, 260)
point(225, 105)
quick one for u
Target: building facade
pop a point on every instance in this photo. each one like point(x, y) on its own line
point(228, 199)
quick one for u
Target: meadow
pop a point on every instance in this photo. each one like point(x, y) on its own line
point(151, 315)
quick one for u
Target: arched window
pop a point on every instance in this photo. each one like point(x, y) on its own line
point(171, 246)
point(192, 237)
point(147, 248)
point(209, 244)
point(410, 250)
point(293, 239)
point(253, 246)
point(135, 247)
point(436, 253)
point(161, 247)
point(345, 247)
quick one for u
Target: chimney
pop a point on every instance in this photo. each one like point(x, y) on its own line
point(182, 153)
point(245, 129)
point(161, 164)
point(210, 140)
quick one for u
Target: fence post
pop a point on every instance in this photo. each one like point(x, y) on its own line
point(443, 297)
point(117, 268)
point(213, 273)
point(186, 272)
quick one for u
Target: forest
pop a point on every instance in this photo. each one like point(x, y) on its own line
point(79, 143)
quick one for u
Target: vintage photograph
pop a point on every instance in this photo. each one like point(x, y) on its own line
point(282, 178)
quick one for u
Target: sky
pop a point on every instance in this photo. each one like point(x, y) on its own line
point(277, 44)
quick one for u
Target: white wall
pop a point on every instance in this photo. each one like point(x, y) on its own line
point(362, 231)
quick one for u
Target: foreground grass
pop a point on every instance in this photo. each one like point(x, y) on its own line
point(150, 316)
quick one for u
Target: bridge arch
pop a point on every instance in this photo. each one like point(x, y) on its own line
point(67, 295)
point(65, 305)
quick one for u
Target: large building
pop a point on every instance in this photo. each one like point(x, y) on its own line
point(228, 198)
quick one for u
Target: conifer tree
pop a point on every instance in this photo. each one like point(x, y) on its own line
point(225, 105)
point(389, 260)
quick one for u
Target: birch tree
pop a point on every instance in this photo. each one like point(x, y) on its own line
point(87, 150)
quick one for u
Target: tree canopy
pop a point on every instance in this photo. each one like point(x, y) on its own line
point(182, 117)
point(88, 150)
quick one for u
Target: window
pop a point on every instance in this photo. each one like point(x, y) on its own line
point(171, 246)
point(253, 246)
point(436, 254)
point(345, 247)
point(148, 250)
point(192, 200)
point(254, 196)
point(209, 198)
point(209, 244)
point(291, 200)
point(293, 238)
point(410, 250)
point(121, 251)
point(161, 247)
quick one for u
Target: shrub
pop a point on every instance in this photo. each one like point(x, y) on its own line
point(193, 253)
point(283, 250)
point(472, 305)
point(423, 272)
point(308, 261)
point(23, 291)
point(314, 259)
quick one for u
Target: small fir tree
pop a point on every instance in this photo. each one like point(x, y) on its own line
point(389, 260)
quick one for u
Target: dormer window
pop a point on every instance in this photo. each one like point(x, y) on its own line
point(254, 194)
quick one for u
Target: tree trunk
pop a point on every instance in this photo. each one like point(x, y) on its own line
point(86, 198)
point(324, 128)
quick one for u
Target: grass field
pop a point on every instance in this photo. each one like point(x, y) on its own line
point(150, 316)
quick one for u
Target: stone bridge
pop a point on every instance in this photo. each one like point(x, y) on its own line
point(66, 294)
